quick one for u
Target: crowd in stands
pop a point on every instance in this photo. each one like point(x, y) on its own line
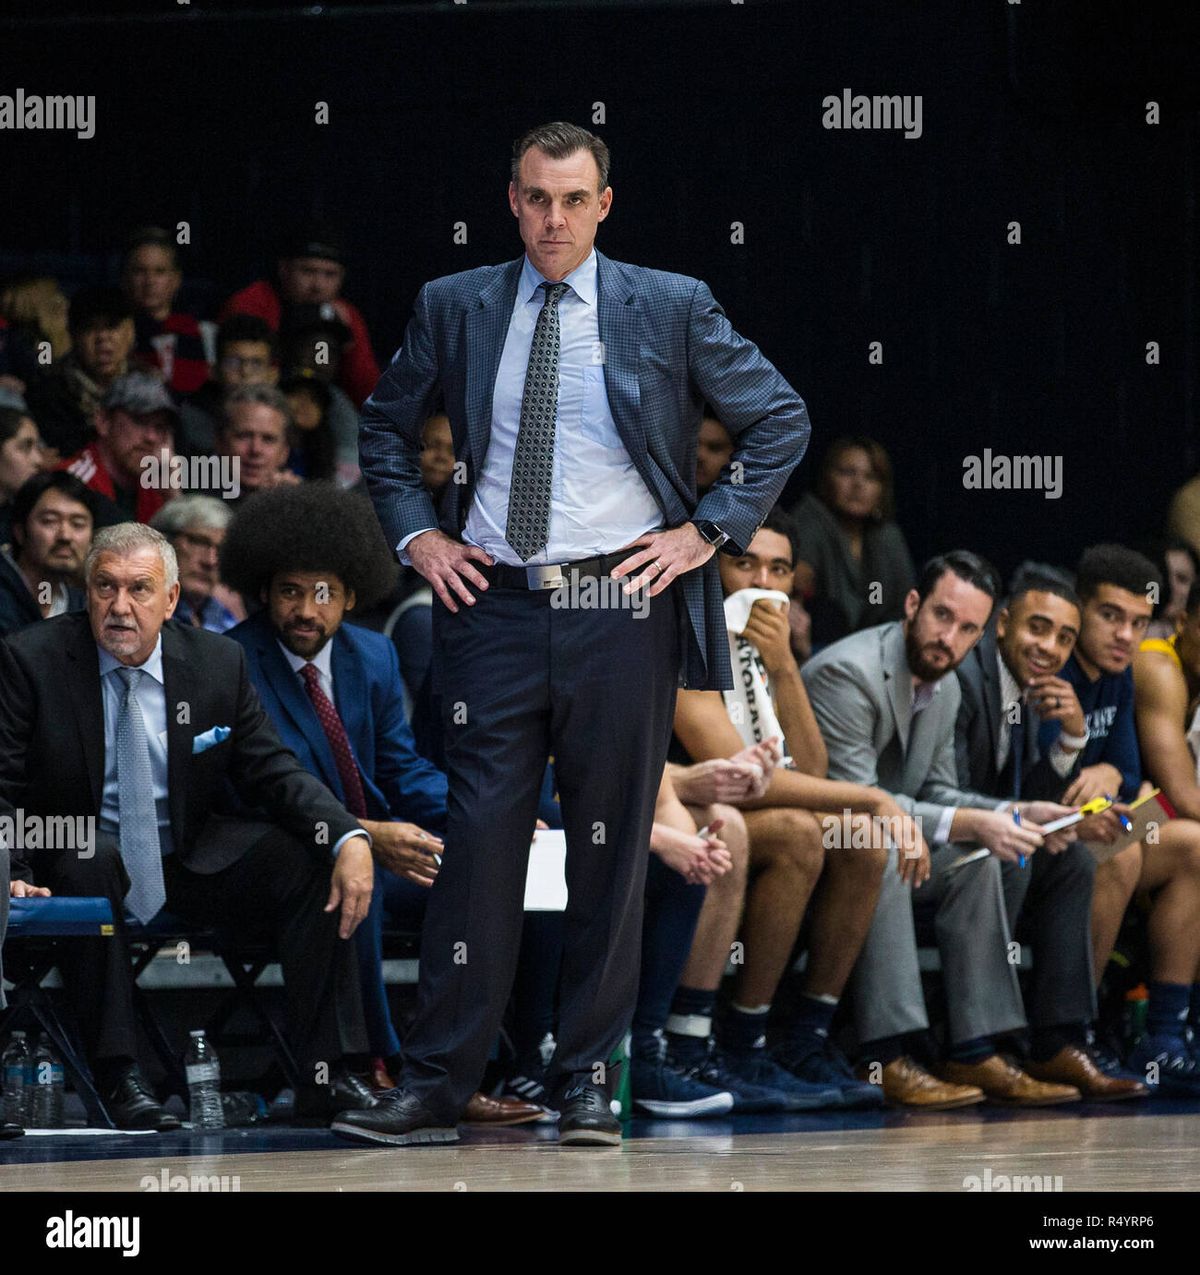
point(883, 778)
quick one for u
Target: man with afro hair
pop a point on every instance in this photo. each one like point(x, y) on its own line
point(310, 555)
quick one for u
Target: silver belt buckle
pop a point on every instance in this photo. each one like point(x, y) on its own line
point(548, 577)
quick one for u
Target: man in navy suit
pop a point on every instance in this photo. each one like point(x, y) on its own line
point(574, 385)
point(312, 554)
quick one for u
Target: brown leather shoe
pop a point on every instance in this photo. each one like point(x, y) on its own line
point(1074, 1066)
point(909, 1085)
point(499, 1111)
point(1006, 1083)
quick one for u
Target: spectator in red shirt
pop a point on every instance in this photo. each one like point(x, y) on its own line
point(135, 419)
point(311, 271)
point(168, 340)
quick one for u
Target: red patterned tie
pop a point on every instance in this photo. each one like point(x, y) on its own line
point(335, 732)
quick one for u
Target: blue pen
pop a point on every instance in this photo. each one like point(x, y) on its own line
point(1017, 821)
point(1126, 823)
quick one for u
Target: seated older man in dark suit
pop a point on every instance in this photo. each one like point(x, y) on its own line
point(312, 554)
point(114, 716)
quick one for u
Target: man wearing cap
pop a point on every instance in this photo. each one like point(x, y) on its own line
point(136, 419)
point(574, 386)
point(311, 271)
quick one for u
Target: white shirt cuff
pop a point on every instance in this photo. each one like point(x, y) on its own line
point(404, 558)
point(358, 832)
point(942, 832)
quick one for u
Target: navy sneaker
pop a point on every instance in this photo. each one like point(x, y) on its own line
point(1176, 1068)
point(711, 1069)
point(1108, 1061)
point(756, 1067)
point(827, 1065)
point(662, 1088)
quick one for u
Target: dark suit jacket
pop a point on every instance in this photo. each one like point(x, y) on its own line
point(668, 347)
point(398, 783)
point(52, 743)
point(977, 734)
point(18, 607)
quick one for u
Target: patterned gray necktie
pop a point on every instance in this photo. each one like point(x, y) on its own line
point(533, 458)
point(135, 805)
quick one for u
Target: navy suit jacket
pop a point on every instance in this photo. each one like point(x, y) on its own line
point(18, 607)
point(398, 783)
point(668, 349)
point(977, 734)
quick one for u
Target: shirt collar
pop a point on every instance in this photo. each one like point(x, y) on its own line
point(582, 280)
point(153, 663)
point(323, 660)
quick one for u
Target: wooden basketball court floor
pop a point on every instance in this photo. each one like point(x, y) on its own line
point(1144, 1146)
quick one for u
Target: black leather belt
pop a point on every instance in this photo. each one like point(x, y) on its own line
point(553, 576)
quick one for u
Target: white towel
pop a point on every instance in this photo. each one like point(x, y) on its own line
point(751, 708)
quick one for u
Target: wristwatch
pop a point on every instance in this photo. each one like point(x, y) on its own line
point(710, 531)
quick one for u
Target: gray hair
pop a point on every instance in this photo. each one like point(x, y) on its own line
point(266, 395)
point(192, 511)
point(127, 537)
point(558, 140)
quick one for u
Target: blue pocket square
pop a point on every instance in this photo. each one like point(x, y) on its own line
point(218, 734)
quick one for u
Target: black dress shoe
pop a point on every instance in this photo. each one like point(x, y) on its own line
point(587, 1119)
point(132, 1105)
point(399, 1119)
point(344, 1092)
point(10, 1130)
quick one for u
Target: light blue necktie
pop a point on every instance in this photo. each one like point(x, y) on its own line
point(533, 456)
point(136, 811)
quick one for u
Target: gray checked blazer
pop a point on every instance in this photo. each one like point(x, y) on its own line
point(668, 349)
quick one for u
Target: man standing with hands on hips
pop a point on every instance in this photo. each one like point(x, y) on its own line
point(574, 386)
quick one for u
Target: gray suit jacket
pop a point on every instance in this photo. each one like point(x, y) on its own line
point(668, 349)
point(862, 693)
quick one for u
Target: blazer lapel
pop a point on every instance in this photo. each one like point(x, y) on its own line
point(179, 689)
point(898, 681)
point(87, 703)
point(487, 328)
point(350, 691)
point(990, 674)
point(620, 325)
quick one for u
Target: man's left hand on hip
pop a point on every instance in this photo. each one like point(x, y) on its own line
point(666, 555)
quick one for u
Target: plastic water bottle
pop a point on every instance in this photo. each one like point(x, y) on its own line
point(58, 1091)
point(13, 1063)
point(204, 1083)
point(41, 1101)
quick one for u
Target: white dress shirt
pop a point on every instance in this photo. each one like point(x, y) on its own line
point(598, 500)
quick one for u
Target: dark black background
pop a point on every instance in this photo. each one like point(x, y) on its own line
point(1033, 112)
